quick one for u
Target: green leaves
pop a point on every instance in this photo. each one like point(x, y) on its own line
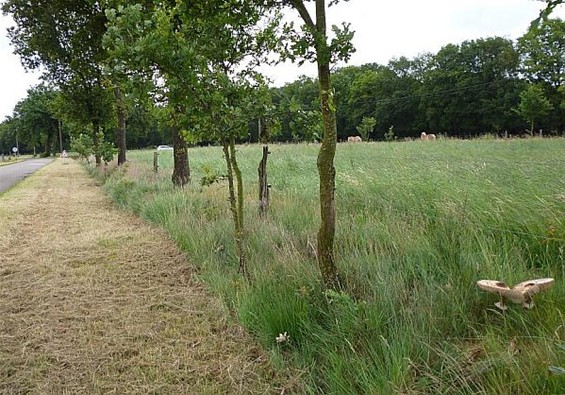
point(543, 52)
point(341, 46)
point(533, 104)
point(366, 127)
point(309, 43)
point(545, 13)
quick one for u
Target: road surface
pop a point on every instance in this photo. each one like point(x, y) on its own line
point(11, 174)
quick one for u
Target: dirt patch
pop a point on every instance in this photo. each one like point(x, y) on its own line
point(94, 300)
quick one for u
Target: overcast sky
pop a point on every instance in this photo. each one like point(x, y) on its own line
point(383, 30)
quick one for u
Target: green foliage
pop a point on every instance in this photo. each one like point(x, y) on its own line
point(35, 120)
point(304, 125)
point(543, 52)
point(471, 87)
point(533, 105)
point(546, 12)
point(107, 151)
point(83, 145)
point(8, 132)
point(465, 89)
point(210, 176)
point(64, 40)
point(366, 127)
point(389, 135)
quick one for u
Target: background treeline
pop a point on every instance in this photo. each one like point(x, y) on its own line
point(492, 85)
point(466, 89)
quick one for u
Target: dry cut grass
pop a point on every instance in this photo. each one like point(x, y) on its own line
point(93, 300)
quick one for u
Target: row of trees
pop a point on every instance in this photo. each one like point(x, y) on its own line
point(196, 62)
point(188, 69)
point(490, 85)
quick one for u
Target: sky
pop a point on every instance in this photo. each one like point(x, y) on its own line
point(383, 30)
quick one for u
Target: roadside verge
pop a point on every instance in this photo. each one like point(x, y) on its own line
point(95, 300)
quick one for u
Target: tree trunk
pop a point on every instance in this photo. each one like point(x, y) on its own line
point(236, 202)
point(95, 141)
point(48, 142)
point(326, 169)
point(60, 130)
point(121, 131)
point(181, 172)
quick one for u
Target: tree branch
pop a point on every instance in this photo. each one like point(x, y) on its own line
point(301, 8)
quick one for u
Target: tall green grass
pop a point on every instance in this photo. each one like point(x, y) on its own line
point(418, 224)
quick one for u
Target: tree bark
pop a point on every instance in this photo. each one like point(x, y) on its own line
point(236, 202)
point(95, 141)
point(121, 131)
point(49, 139)
point(240, 232)
point(326, 169)
point(181, 171)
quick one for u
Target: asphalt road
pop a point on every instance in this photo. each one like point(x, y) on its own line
point(11, 174)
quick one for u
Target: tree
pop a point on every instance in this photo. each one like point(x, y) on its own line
point(533, 105)
point(64, 38)
point(342, 81)
point(144, 41)
point(543, 52)
point(294, 101)
point(121, 129)
point(363, 95)
point(205, 53)
point(304, 124)
point(312, 44)
point(8, 135)
point(470, 88)
point(35, 119)
point(366, 127)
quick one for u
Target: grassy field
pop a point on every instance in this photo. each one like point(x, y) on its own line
point(418, 224)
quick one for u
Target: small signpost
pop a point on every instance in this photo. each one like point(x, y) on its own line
point(15, 150)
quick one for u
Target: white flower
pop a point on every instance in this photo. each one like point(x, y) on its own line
point(283, 337)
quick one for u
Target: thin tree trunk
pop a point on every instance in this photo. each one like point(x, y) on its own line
point(59, 128)
point(181, 171)
point(326, 169)
point(49, 142)
point(236, 202)
point(95, 141)
point(121, 131)
point(240, 233)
